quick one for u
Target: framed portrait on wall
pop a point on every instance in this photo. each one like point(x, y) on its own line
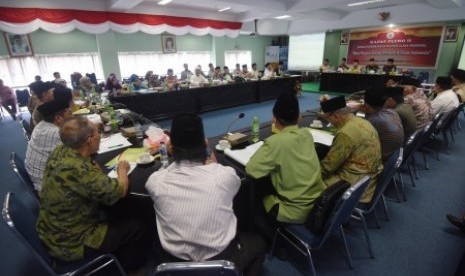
point(344, 38)
point(168, 43)
point(18, 45)
point(451, 34)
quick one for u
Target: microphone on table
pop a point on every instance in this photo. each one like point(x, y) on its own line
point(236, 138)
point(240, 116)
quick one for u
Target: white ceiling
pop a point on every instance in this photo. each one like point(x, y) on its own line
point(307, 16)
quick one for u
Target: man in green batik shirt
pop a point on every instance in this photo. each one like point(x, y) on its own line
point(356, 150)
point(73, 189)
point(290, 159)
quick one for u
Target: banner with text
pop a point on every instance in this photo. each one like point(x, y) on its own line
point(410, 47)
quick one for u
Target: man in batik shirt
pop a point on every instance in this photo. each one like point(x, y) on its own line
point(355, 151)
point(73, 188)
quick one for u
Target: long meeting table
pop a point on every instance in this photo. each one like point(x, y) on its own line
point(138, 196)
point(163, 105)
point(348, 83)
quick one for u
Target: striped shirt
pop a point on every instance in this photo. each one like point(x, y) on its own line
point(44, 139)
point(193, 205)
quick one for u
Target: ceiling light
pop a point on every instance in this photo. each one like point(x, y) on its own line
point(365, 3)
point(282, 17)
point(164, 2)
point(391, 26)
point(224, 9)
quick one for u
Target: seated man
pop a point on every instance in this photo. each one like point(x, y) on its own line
point(255, 73)
point(446, 100)
point(458, 82)
point(372, 67)
point(420, 104)
point(135, 84)
point(170, 80)
point(45, 138)
point(44, 93)
point(193, 201)
point(355, 152)
point(88, 89)
point(395, 100)
point(290, 159)
point(389, 68)
point(226, 75)
point(269, 72)
point(385, 120)
point(73, 188)
point(237, 71)
point(217, 75)
point(8, 99)
point(197, 79)
point(325, 67)
point(343, 65)
point(186, 74)
point(355, 68)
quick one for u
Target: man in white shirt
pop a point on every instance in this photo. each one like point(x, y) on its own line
point(45, 138)
point(446, 100)
point(197, 79)
point(458, 82)
point(269, 72)
point(237, 71)
point(255, 72)
point(193, 200)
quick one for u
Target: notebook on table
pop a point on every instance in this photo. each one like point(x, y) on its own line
point(242, 156)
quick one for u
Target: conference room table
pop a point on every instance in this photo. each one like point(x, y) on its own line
point(163, 105)
point(138, 197)
point(349, 82)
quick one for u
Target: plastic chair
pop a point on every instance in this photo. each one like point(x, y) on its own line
point(305, 241)
point(384, 179)
point(207, 268)
point(22, 222)
point(27, 131)
point(17, 164)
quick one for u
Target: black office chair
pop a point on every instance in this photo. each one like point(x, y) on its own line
point(207, 268)
point(22, 222)
point(23, 97)
point(305, 241)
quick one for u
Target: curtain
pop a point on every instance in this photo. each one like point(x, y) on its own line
point(141, 62)
point(231, 58)
point(27, 20)
point(21, 71)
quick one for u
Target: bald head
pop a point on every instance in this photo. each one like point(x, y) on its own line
point(75, 132)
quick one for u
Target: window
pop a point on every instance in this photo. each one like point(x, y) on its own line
point(21, 71)
point(141, 62)
point(231, 58)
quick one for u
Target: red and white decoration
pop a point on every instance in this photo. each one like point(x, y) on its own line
point(28, 20)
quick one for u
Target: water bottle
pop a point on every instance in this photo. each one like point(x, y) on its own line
point(255, 130)
point(163, 155)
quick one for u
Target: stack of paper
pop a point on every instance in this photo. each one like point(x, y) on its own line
point(131, 155)
point(243, 155)
point(322, 137)
point(113, 142)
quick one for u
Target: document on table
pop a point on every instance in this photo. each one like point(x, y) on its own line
point(243, 155)
point(322, 137)
point(113, 142)
point(114, 174)
point(131, 155)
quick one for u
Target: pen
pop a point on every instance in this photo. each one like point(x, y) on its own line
point(115, 146)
